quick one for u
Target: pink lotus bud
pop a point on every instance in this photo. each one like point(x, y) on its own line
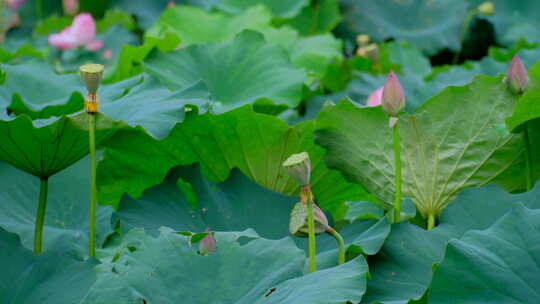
point(298, 224)
point(207, 244)
point(71, 7)
point(375, 98)
point(81, 33)
point(517, 76)
point(393, 97)
point(107, 54)
point(14, 5)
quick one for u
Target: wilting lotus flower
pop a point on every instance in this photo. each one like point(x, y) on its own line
point(81, 33)
point(517, 76)
point(14, 5)
point(375, 98)
point(393, 97)
point(298, 224)
point(299, 168)
point(207, 244)
point(71, 7)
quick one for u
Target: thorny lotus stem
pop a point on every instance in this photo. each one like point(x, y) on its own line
point(92, 213)
point(464, 29)
point(397, 159)
point(528, 158)
point(40, 216)
point(431, 221)
point(307, 198)
point(341, 244)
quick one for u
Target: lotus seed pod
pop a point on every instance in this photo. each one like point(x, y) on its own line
point(362, 39)
point(487, 8)
point(299, 168)
point(517, 79)
point(207, 244)
point(393, 97)
point(91, 76)
point(298, 224)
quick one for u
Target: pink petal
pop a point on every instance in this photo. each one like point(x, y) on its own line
point(171, 4)
point(14, 5)
point(94, 45)
point(107, 54)
point(63, 40)
point(84, 28)
point(375, 98)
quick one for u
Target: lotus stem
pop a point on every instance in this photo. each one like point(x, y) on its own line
point(40, 216)
point(397, 159)
point(431, 221)
point(308, 199)
point(528, 158)
point(93, 190)
point(39, 10)
point(314, 18)
point(341, 244)
point(464, 29)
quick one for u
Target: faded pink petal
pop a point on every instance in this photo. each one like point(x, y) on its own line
point(516, 77)
point(107, 54)
point(94, 45)
point(71, 7)
point(393, 96)
point(375, 98)
point(14, 5)
point(207, 244)
point(63, 40)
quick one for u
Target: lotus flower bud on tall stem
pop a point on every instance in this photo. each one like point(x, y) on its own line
point(516, 78)
point(91, 76)
point(393, 96)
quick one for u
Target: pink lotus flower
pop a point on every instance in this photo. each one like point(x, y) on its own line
point(375, 98)
point(81, 33)
point(14, 5)
point(517, 78)
point(71, 7)
point(207, 244)
point(393, 97)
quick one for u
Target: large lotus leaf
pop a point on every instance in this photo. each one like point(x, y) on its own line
point(239, 72)
point(66, 218)
point(451, 142)
point(497, 265)
point(50, 278)
point(514, 20)
point(235, 204)
point(220, 143)
point(212, 27)
point(45, 147)
point(278, 8)
point(402, 271)
point(319, 18)
point(166, 269)
point(428, 25)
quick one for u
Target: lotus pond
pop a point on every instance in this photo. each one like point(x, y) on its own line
point(268, 151)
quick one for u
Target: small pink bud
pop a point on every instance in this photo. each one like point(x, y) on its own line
point(393, 97)
point(14, 5)
point(375, 98)
point(517, 76)
point(107, 54)
point(71, 7)
point(207, 244)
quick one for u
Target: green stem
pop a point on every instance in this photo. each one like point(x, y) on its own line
point(39, 10)
point(92, 213)
point(528, 158)
point(430, 222)
point(464, 29)
point(397, 159)
point(311, 234)
point(314, 18)
point(341, 245)
point(40, 217)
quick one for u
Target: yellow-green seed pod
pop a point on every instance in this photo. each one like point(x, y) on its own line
point(91, 76)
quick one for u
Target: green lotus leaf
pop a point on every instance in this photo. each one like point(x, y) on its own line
point(278, 8)
point(496, 265)
point(220, 143)
point(430, 26)
point(450, 143)
point(403, 269)
point(48, 278)
point(66, 220)
point(45, 147)
point(320, 17)
point(263, 72)
point(180, 274)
